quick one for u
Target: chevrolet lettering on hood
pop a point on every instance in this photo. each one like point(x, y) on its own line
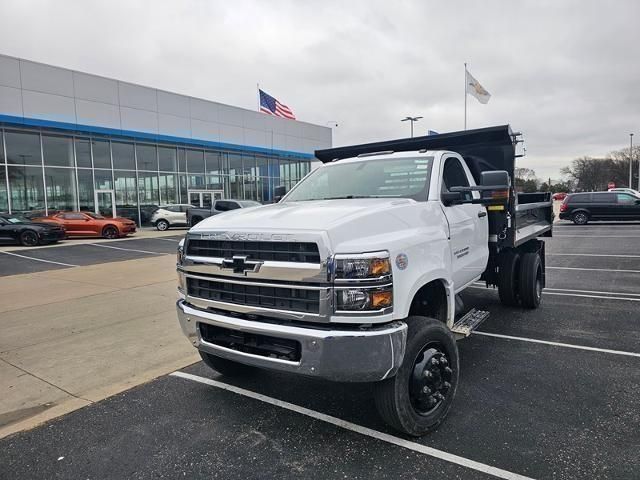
point(248, 236)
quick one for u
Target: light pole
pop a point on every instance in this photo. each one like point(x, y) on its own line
point(631, 160)
point(411, 119)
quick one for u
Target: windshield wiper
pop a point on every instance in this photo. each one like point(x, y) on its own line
point(347, 197)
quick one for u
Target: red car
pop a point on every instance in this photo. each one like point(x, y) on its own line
point(89, 224)
point(559, 196)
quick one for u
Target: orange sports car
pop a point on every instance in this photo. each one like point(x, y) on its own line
point(89, 224)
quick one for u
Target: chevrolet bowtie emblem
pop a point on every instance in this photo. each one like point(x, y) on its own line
point(240, 264)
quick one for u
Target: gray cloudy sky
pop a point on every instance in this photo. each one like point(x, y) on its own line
point(566, 73)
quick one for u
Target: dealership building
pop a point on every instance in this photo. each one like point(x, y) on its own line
point(76, 141)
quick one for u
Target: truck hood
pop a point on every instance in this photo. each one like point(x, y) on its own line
point(323, 215)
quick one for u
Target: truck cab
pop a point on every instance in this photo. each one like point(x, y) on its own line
point(353, 276)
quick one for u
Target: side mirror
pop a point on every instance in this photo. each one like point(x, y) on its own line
point(497, 185)
point(279, 192)
point(451, 198)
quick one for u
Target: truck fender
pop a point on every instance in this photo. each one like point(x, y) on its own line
point(435, 276)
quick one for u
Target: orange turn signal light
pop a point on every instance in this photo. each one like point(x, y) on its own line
point(379, 267)
point(381, 299)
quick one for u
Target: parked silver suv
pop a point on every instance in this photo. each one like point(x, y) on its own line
point(167, 216)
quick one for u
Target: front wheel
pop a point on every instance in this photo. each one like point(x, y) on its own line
point(417, 399)
point(162, 225)
point(224, 366)
point(29, 238)
point(580, 218)
point(110, 232)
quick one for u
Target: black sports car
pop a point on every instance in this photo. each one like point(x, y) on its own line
point(17, 229)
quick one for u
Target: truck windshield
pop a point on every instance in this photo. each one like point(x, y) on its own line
point(406, 177)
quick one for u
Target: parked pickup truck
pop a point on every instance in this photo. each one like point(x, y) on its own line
point(354, 275)
point(196, 215)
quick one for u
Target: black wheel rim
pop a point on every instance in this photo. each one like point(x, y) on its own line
point(110, 233)
point(430, 382)
point(580, 218)
point(29, 238)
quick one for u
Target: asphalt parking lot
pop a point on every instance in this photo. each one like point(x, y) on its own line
point(72, 253)
point(550, 393)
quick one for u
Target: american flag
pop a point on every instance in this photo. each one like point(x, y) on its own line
point(272, 106)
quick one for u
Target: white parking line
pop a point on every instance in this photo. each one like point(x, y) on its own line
point(597, 236)
point(591, 291)
point(40, 259)
point(125, 249)
point(559, 344)
point(605, 295)
point(166, 239)
point(590, 255)
point(593, 269)
point(416, 447)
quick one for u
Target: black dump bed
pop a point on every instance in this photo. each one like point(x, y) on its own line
point(483, 149)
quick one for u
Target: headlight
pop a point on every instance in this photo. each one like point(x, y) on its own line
point(364, 299)
point(366, 266)
point(180, 253)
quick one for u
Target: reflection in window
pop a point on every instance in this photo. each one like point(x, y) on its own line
point(4, 202)
point(126, 194)
point(85, 190)
point(182, 161)
point(195, 161)
point(103, 180)
point(183, 189)
point(146, 157)
point(61, 188)
point(249, 166)
point(148, 194)
point(123, 156)
point(167, 158)
point(58, 151)
point(83, 152)
point(168, 188)
point(196, 182)
point(27, 191)
point(1, 149)
point(101, 154)
point(235, 165)
point(23, 148)
point(214, 163)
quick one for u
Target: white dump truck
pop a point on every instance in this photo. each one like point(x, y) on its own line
point(353, 275)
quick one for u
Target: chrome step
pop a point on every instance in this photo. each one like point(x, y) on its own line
point(469, 322)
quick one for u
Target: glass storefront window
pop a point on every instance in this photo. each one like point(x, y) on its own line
point(4, 201)
point(1, 148)
point(57, 151)
point(182, 160)
point(83, 152)
point(146, 157)
point(85, 190)
point(123, 157)
point(196, 182)
point(61, 188)
point(184, 196)
point(167, 159)
point(23, 148)
point(235, 165)
point(101, 154)
point(249, 166)
point(215, 182)
point(168, 188)
point(104, 181)
point(214, 163)
point(126, 194)
point(195, 161)
point(27, 190)
point(148, 194)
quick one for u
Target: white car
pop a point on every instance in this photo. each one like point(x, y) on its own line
point(626, 190)
point(167, 216)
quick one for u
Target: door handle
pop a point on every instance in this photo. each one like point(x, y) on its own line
point(482, 214)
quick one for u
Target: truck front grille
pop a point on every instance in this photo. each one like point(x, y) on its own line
point(256, 344)
point(282, 298)
point(299, 252)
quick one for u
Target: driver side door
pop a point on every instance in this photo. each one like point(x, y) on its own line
point(468, 226)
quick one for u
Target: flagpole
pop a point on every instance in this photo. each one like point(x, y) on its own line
point(258, 92)
point(465, 95)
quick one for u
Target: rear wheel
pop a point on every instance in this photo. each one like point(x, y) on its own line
point(110, 232)
point(162, 225)
point(530, 280)
point(580, 218)
point(224, 366)
point(417, 399)
point(29, 238)
point(508, 279)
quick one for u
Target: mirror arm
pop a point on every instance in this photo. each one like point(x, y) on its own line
point(479, 188)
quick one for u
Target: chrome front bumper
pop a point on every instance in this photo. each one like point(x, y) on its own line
point(365, 355)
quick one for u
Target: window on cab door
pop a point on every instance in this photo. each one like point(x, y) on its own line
point(453, 175)
point(225, 205)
